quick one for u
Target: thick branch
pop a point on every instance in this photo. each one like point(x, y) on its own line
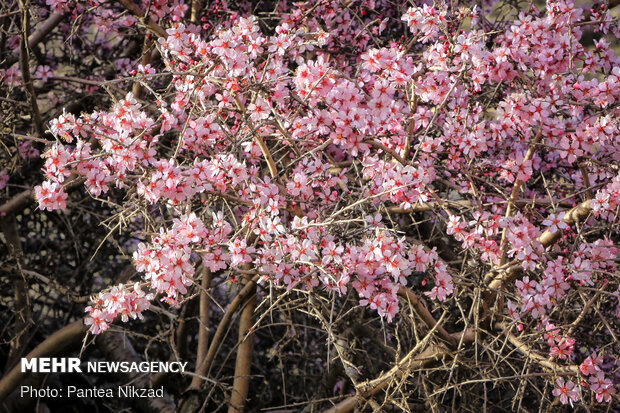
point(577, 214)
point(203, 329)
point(516, 189)
point(385, 149)
point(250, 288)
point(273, 171)
point(547, 238)
point(464, 203)
point(243, 363)
point(61, 342)
point(426, 315)
point(24, 198)
point(137, 89)
point(35, 38)
point(407, 365)
point(196, 9)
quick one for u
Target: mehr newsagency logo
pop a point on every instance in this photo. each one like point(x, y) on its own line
point(75, 365)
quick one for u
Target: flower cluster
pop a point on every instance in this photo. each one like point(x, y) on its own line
point(167, 260)
point(51, 196)
point(322, 157)
point(124, 300)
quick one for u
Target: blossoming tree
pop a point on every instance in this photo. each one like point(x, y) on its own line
point(434, 185)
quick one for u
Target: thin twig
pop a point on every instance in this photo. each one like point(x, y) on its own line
point(24, 57)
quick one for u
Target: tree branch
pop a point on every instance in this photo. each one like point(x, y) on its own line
point(24, 57)
point(539, 359)
point(250, 288)
point(547, 238)
point(516, 189)
point(61, 342)
point(203, 329)
point(426, 316)
point(35, 38)
point(24, 198)
point(243, 363)
point(136, 11)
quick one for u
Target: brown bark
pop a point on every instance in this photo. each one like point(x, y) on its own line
point(245, 292)
point(138, 90)
point(426, 316)
point(547, 238)
point(406, 366)
point(516, 189)
point(61, 342)
point(35, 38)
point(243, 362)
point(196, 9)
point(203, 329)
point(24, 198)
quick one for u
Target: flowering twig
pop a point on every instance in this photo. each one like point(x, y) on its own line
point(539, 359)
point(134, 9)
point(516, 189)
point(273, 171)
point(547, 238)
point(24, 198)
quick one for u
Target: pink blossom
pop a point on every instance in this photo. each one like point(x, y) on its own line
point(50, 196)
point(602, 387)
point(566, 391)
point(555, 223)
point(43, 72)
